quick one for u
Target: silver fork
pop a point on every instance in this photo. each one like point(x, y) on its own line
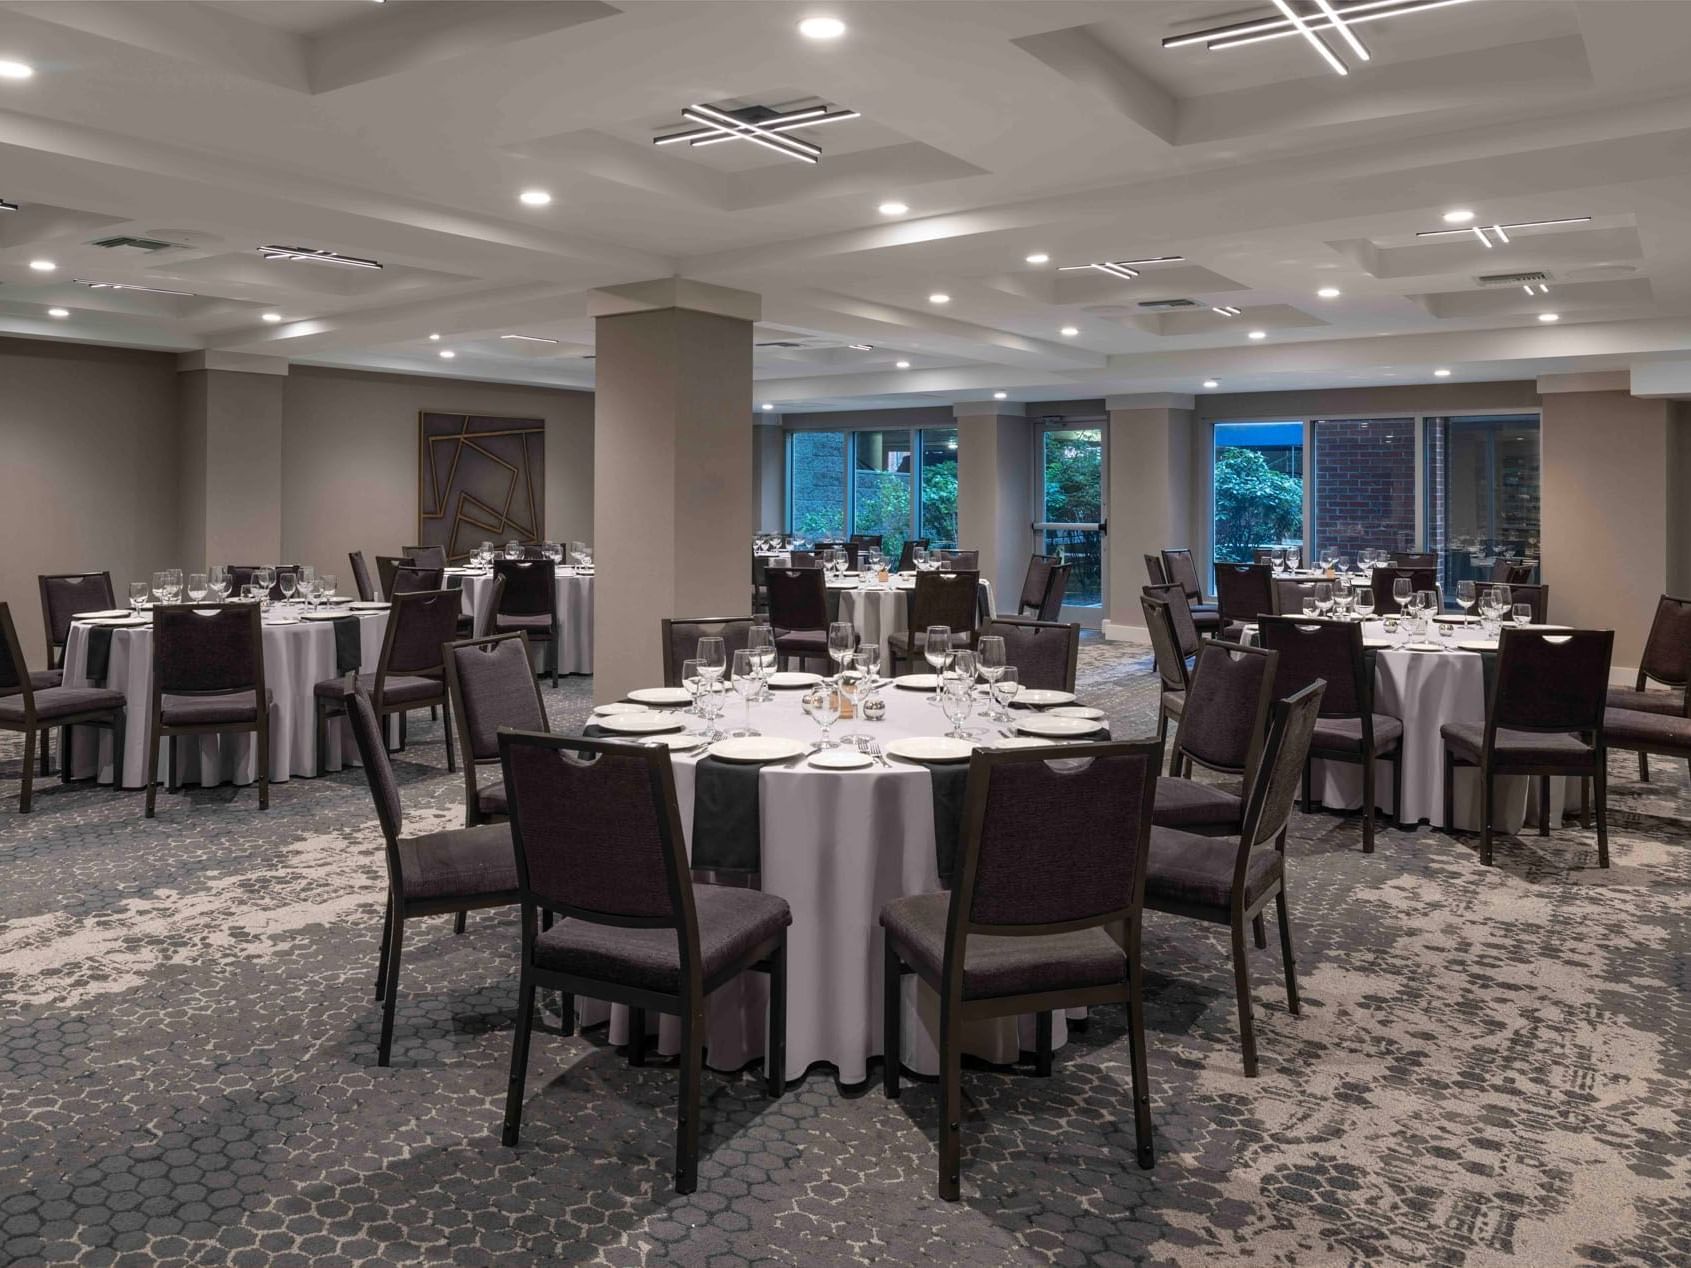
point(873, 749)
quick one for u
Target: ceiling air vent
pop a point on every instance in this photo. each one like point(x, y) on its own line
point(1163, 305)
point(1511, 279)
point(145, 246)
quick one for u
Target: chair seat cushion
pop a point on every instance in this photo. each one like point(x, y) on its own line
point(996, 965)
point(491, 799)
point(1632, 726)
point(505, 623)
point(1197, 871)
point(1670, 702)
point(1206, 618)
point(62, 702)
point(210, 710)
point(733, 922)
point(1174, 702)
point(1344, 735)
point(1467, 741)
point(41, 679)
point(1187, 803)
point(802, 642)
point(474, 862)
point(397, 689)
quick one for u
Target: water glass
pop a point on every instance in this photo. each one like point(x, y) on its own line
point(1403, 592)
point(1522, 613)
point(289, 584)
point(1324, 597)
point(991, 660)
point(1466, 596)
point(936, 647)
point(197, 586)
point(1277, 557)
point(957, 698)
point(326, 587)
point(693, 681)
point(161, 586)
point(1005, 689)
point(842, 642)
point(1364, 599)
point(760, 641)
point(713, 657)
point(1294, 556)
point(1310, 606)
point(137, 596)
point(747, 683)
point(822, 705)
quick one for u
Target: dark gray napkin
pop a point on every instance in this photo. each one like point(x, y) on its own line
point(99, 653)
point(349, 644)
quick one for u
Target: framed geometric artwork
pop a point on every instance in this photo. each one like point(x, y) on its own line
point(480, 478)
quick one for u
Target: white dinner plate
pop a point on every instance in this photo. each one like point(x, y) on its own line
point(607, 710)
point(1043, 697)
point(1055, 727)
point(121, 622)
point(757, 749)
point(789, 678)
point(676, 741)
point(275, 622)
point(322, 616)
point(931, 748)
point(643, 723)
point(1023, 741)
point(1078, 711)
point(370, 606)
point(1379, 644)
point(1454, 618)
point(1477, 645)
point(840, 759)
point(661, 695)
point(1424, 647)
point(104, 614)
point(918, 682)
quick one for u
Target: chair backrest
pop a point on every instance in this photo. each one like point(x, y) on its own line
point(1512, 572)
point(1157, 573)
point(492, 684)
point(1044, 653)
point(907, 552)
point(1321, 651)
point(1221, 726)
point(1056, 586)
point(1043, 588)
point(868, 539)
point(420, 625)
point(66, 593)
point(1667, 652)
point(378, 770)
point(1262, 555)
point(1385, 576)
point(426, 556)
point(1537, 597)
point(1054, 839)
point(1289, 594)
point(1550, 680)
point(1179, 567)
point(681, 635)
point(208, 649)
point(1180, 612)
point(14, 670)
point(798, 599)
point(409, 580)
point(1417, 559)
point(1165, 641)
point(1244, 592)
point(960, 560)
point(797, 559)
point(530, 587)
point(945, 598)
point(1268, 807)
point(482, 626)
point(241, 575)
point(361, 576)
point(534, 550)
point(386, 566)
point(852, 551)
point(598, 835)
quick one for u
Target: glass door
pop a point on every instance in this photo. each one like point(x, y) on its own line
point(1070, 502)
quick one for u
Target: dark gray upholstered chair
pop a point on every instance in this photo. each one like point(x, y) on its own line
point(599, 842)
point(1243, 592)
point(1348, 729)
point(907, 552)
point(960, 560)
point(426, 556)
point(951, 599)
point(681, 635)
point(760, 583)
point(409, 580)
point(241, 575)
point(361, 576)
point(1661, 734)
point(1054, 846)
point(799, 559)
point(852, 551)
point(386, 565)
point(1230, 882)
point(1417, 559)
point(1512, 572)
point(1384, 576)
point(529, 603)
point(798, 611)
point(436, 873)
point(1043, 588)
point(1221, 729)
point(63, 595)
point(1180, 569)
point(1290, 592)
point(1666, 660)
point(409, 673)
point(1162, 612)
point(211, 658)
point(1156, 573)
point(1536, 597)
point(871, 540)
point(1545, 718)
point(1045, 653)
point(490, 685)
point(35, 710)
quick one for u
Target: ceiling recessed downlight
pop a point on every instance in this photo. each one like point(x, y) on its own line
point(903, 365)
point(1329, 292)
point(1550, 317)
point(1039, 257)
point(1212, 382)
point(1441, 374)
point(43, 266)
point(1459, 216)
point(768, 405)
point(58, 312)
point(822, 28)
point(435, 337)
point(534, 198)
point(1258, 334)
point(1069, 332)
point(272, 318)
point(893, 208)
point(447, 354)
point(16, 70)
point(999, 396)
point(939, 297)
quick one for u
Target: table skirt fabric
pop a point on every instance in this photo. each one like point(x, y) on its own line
point(880, 613)
point(574, 597)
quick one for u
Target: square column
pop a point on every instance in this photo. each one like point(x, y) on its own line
point(230, 406)
point(995, 493)
point(1151, 505)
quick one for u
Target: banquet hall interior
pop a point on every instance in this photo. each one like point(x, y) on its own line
point(726, 632)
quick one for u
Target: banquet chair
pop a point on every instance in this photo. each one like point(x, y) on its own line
point(534, 550)
point(852, 551)
point(1384, 576)
point(426, 556)
point(681, 635)
point(1230, 882)
point(938, 598)
point(407, 579)
point(1289, 594)
point(63, 595)
point(798, 611)
point(907, 553)
point(1045, 653)
point(1347, 730)
point(1545, 718)
point(431, 874)
point(529, 603)
point(1221, 729)
point(33, 710)
point(410, 672)
point(1046, 913)
point(599, 841)
point(1170, 651)
point(361, 576)
point(210, 657)
point(490, 685)
point(1179, 569)
point(797, 559)
point(1155, 570)
point(1537, 597)
point(960, 560)
point(760, 583)
point(1647, 733)
point(1666, 660)
point(386, 566)
point(1043, 588)
point(1417, 559)
point(872, 540)
point(1243, 592)
point(241, 575)
point(1512, 572)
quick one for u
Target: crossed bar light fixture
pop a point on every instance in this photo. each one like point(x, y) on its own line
point(759, 125)
point(1500, 230)
point(1120, 268)
point(1226, 310)
point(131, 286)
point(1324, 16)
point(6, 206)
point(529, 338)
point(312, 255)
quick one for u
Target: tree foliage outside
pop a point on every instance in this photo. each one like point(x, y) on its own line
point(1254, 504)
point(1073, 495)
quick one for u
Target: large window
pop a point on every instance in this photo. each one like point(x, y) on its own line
point(882, 471)
point(1364, 485)
point(816, 493)
point(1482, 492)
point(1257, 490)
point(938, 511)
point(873, 481)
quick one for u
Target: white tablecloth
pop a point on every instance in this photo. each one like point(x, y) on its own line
point(881, 612)
point(574, 597)
point(838, 846)
point(297, 656)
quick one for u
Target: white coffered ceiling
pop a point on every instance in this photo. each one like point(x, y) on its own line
point(404, 131)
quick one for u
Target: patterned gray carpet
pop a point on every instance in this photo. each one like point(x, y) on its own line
point(1492, 1066)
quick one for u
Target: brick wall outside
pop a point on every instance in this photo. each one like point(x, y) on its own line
point(1365, 485)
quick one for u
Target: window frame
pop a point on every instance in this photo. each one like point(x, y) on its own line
point(848, 470)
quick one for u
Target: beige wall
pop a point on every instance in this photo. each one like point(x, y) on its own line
point(88, 443)
point(349, 458)
point(769, 477)
point(995, 494)
point(231, 476)
point(1150, 455)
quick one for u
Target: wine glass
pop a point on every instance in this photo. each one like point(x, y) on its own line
point(746, 685)
point(1502, 599)
point(1277, 558)
point(692, 681)
point(137, 596)
point(1522, 613)
point(1364, 598)
point(936, 646)
point(1465, 597)
point(161, 586)
point(289, 583)
point(957, 698)
point(822, 705)
point(1310, 606)
point(1005, 688)
point(853, 684)
point(326, 584)
point(1403, 590)
point(918, 557)
point(197, 587)
point(1323, 597)
point(991, 660)
point(760, 640)
point(1294, 556)
point(842, 641)
point(713, 658)
point(1342, 563)
point(712, 696)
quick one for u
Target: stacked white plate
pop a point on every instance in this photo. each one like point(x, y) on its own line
point(921, 682)
point(787, 679)
point(1043, 697)
point(645, 722)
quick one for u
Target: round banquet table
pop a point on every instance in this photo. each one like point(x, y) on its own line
point(880, 612)
point(838, 846)
point(574, 597)
point(297, 656)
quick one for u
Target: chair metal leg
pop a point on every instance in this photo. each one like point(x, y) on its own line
point(1449, 791)
point(1242, 987)
point(1368, 776)
point(26, 795)
point(1174, 761)
point(460, 921)
point(519, 1061)
point(950, 1104)
point(390, 996)
point(892, 1018)
point(152, 764)
point(264, 765)
point(1286, 957)
point(1143, 1145)
point(64, 754)
point(775, 1061)
point(1485, 816)
point(1259, 931)
point(46, 758)
point(1042, 1045)
point(687, 1128)
point(566, 1013)
point(1601, 779)
point(382, 958)
point(1397, 789)
point(451, 761)
point(1644, 767)
point(637, 1036)
point(1585, 802)
point(1309, 786)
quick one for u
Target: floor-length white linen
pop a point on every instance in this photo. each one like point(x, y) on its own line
point(574, 597)
point(297, 656)
point(838, 846)
point(880, 612)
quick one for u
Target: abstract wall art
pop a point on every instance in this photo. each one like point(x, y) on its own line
point(480, 478)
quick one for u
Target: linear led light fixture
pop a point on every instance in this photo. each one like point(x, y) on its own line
point(1236, 34)
point(1226, 310)
point(131, 286)
point(1498, 229)
point(810, 117)
point(6, 206)
point(757, 133)
point(861, 347)
point(529, 338)
point(1480, 234)
point(1348, 35)
point(1319, 44)
point(1542, 288)
point(1120, 268)
point(311, 255)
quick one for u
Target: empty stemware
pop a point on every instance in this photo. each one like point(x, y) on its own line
point(747, 684)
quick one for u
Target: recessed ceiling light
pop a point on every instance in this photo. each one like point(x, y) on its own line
point(16, 70)
point(43, 266)
point(1212, 382)
point(904, 365)
point(1039, 257)
point(1550, 316)
point(822, 28)
point(272, 318)
point(1329, 292)
point(1441, 374)
point(999, 396)
point(58, 312)
point(534, 198)
point(861, 347)
point(435, 337)
point(1460, 216)
point(768, 405)
point(1259, 334)
point(939, 297)
point(893, 208)
point(447, 354)
point(1069, 332)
